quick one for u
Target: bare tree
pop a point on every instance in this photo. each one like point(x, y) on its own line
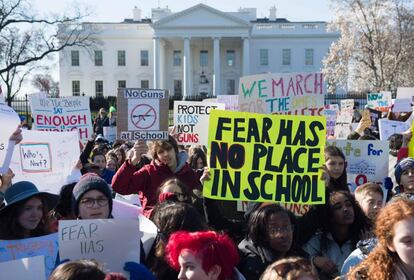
point(26, 39)
point(374, 50)
point(42, 82)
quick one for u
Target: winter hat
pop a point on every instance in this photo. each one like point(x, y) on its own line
point(401, 166)
point(90, 181)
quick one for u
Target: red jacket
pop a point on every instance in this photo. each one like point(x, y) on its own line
point(146, 181)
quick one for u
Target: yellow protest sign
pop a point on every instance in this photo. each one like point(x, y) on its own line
point(258, 157)
point(410, 144)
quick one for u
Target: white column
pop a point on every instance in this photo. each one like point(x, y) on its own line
point(157, 60)
point(217, 74)
point(187, 83)
point(246, 56)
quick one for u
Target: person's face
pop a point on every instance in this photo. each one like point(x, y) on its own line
point(111, 165)
point(370, 204)
point(407, 179)
point(102, 112)
point(31, 214)
point(343, 210)
point(100, 161)
point(168, 157)
point(119, 156)
point(191, 268)
point(403, 242)
point(200, 164)
point(173, 188)
point(279, 233)
point(335, 166)
point(94, 205)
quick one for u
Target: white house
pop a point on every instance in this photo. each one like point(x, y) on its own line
point(200, 50)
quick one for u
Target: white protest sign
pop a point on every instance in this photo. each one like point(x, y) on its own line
point(283, 93)
point(125, 210)
point(330, 121)
point(150, 232)
point(46, 246)
point(347, 104)
point(9, 120)
point(24, 269)
point(380, 101)
point(332, 107)
point(231, 102)
point(110, 241)
point(62, 114)
point(191, 121)
point(45, 158)
point(109, 133)
point(367, 160)
point(388, 128)
point(402, 105)
point(405, 92)
point(343, 124)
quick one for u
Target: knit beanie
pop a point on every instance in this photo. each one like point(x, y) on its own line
point(90, 181)
point(401, 166)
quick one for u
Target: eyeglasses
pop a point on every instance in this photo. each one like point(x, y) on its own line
point(275, 231)
point(180, 196)
point(282, 269)
point(90, 202)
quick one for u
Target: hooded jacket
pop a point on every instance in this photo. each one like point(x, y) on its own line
point(146, 181)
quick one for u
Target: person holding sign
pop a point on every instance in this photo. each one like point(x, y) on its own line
point(100, 121)
point(24, 215)
point(167, 162)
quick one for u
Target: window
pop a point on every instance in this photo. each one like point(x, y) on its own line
point(74, 58)
point(144, 83)
point(264, 57)
point(99, 88)
point(286, 57)
point(309, 57)
point(177, 58)
point(75, 88)
point(178, 89)
point(98, 58)
point(230, 56)
point(144, 58)
point(121, 84)
point(230, 86)
point(121, 58)
point(203, 58)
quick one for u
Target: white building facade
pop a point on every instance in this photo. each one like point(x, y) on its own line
point(198, 51)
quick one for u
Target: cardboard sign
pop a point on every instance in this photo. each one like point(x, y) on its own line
point(283, 93)
point(46, 246)
point(62, 114)
point(231, 102)
point(258, 157)
point(406, 92)
point(381, 101)
point(109, 133)
point(24, 269)
point(191, 121)
point(367, 160)
point(9, 120)
point(347, 104)
point(45, 158)
point(388, 128)
point(375, 116)
point(343, 124)
point(110, 241)
point(330, 121)
point(142, 114)
point(402, 105)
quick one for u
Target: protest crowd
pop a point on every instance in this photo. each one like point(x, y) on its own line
point(259, 196)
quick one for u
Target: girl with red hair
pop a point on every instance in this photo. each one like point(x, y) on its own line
point(203, 255)
point(393, 256)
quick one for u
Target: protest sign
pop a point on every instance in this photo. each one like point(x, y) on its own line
point(110, 241)
point(375, 116)
point(330, 121)
point(142, 114)
point(191, 121)
point(45, 158)
point(411, 143)
point(332, 107)
point(46, 246)
point(109, 133)
point(380, 101)
point(347, 104)
point(343, 124)
point(9, 122)
point(402, 105)
point(405, 92)
point(367, 160)
point(24, 269)
point(283, 93)
point(62, 114)
point(259, 157)
point(388, 128)
point(231, 102)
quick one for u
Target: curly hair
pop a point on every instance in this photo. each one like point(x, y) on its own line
point(156, 146)
point(380, 263)
point(210, 247)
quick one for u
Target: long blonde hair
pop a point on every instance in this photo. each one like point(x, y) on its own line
point(380, 262)
point(292, 268)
